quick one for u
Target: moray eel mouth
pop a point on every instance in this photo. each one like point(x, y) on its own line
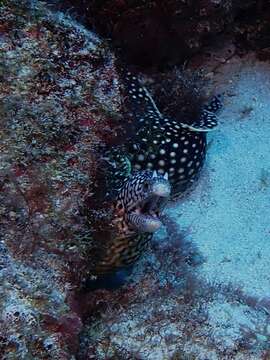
point(152, 206)
point(144, 217)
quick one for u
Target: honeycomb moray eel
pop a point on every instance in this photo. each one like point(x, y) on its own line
point(164, 157)
point(139, 203)
point(166, 145)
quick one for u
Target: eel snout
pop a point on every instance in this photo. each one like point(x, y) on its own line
point(145, 218)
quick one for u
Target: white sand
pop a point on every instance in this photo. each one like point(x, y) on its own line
point(228, 214)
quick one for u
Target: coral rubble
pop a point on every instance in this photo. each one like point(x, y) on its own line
point(167, 312)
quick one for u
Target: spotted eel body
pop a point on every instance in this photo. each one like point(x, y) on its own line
point(163, 153)
point(136, 217)
point(167, 145)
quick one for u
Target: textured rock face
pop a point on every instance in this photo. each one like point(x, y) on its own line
point(157, 32)
point(58, 96)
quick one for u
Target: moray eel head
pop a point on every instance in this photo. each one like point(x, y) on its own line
point(141, 200)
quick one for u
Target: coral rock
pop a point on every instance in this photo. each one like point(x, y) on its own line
point(58, 94)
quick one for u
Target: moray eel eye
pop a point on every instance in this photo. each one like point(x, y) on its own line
point(145, 186)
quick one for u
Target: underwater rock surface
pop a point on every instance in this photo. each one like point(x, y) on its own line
point(58, 96)
point(155, 33)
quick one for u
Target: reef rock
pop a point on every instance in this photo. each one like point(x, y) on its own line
point(155, 33)
point(58, 99)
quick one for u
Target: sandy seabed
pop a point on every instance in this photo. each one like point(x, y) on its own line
point(228, 213)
